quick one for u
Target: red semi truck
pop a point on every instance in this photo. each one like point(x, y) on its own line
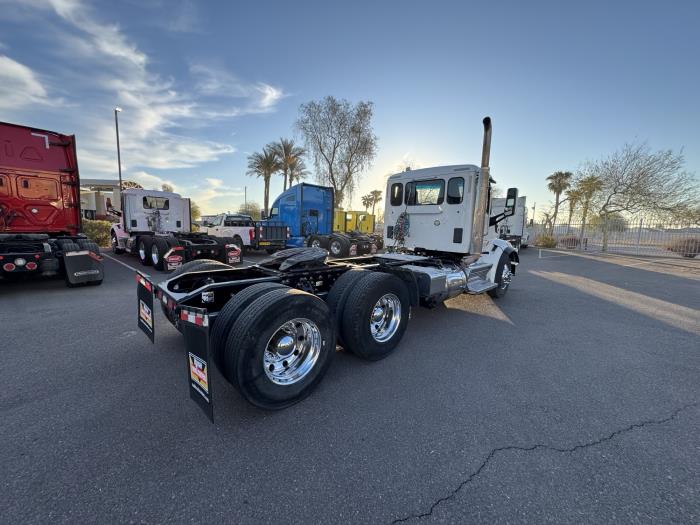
point(40, 220)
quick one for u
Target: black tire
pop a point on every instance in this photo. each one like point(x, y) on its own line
point(143, 245)
point(338, 296)
point(356, 329)
point(228, 315)
point(502, 287)
point(67, 246)
point(198, 266)
point(87, 244)
point(339, 247)
point(270, 251)
point(161, 247)
point(251, 333)
point(116, 250)
point(314, 241)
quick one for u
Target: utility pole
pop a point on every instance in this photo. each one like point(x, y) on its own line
point(117, 110)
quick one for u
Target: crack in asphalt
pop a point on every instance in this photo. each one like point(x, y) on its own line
point(541, 446)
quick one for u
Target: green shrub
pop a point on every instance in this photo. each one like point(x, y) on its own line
point(569, 241)
point(687, 246)
point(98, 231)
point(545, 241)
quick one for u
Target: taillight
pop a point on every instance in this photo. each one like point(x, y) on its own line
point(261, 232)
point(353, 249)
point(8, 267)
point(251, 232)
point(289, 234)
point(31, 266)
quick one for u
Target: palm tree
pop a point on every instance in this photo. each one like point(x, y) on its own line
point(376, 198)
point(297, 170)
point(559, 182)
point(588, 186)
point(574, 197)
point(367, 201)
point(287, 154)
point(264, 165)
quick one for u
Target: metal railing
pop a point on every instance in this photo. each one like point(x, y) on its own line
point(635, 236)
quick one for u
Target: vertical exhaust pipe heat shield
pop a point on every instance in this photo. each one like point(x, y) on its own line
point(481, 204)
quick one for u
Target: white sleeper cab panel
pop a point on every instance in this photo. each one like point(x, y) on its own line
point(439, 202)
point(157, 211)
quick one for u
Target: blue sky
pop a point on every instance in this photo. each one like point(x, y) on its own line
point(203, 84)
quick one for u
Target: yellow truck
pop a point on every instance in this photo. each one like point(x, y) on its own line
point(359, 221)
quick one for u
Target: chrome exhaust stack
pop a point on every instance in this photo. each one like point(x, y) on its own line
point(482, 193)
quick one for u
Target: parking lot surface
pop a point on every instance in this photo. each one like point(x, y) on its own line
point(574, 398)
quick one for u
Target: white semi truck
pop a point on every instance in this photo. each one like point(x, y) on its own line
point(512, 228)
point(155, 226)
point(272, 328)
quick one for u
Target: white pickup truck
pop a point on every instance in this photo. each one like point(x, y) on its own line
point(240, 228)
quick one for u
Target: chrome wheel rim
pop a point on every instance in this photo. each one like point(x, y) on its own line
point(292, 351)
point(385, 318)
point(335, 247)
point(315, 243)
point(155, 256)
point(142, 251)
point(506, 277)
point(115, 244)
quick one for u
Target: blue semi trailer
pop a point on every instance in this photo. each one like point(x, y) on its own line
point(307, 210)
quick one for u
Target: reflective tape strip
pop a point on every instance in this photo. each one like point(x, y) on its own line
point(194, 318)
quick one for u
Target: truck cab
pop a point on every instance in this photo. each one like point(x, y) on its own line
point(307, 209)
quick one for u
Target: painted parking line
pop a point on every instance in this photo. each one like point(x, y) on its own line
point(120, 262)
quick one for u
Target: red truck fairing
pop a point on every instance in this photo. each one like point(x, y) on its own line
point(39, 181)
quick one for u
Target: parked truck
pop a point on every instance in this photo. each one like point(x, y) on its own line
point(309, 213)
point(40, 218)
point(272, 328)
point(512, 228)
point(348, 221)
point(155, 226)
point(246, 233)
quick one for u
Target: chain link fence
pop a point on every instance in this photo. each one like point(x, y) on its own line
point(630, 236)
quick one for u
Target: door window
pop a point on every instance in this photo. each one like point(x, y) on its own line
point(455, 190)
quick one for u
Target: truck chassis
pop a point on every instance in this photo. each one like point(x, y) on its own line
point(275, 325)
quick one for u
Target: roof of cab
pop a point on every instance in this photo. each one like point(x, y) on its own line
point(433, 172)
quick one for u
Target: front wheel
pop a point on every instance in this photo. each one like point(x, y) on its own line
point(280, 348)
point(504, 276)
point(115, 245)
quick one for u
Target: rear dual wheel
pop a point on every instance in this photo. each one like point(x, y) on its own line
point(375, 315)
point(279, 348)
point(159, 247)
point(143, 250)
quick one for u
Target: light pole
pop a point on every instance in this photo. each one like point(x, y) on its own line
point(119, 155)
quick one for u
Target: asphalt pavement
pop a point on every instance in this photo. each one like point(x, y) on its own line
point(575, 398)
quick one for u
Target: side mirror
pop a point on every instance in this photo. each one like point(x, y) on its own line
point(511, 198)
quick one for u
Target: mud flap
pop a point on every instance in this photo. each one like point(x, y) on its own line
point(83, 267)
point(232, 254)
point(146, 317)
point(195, 329)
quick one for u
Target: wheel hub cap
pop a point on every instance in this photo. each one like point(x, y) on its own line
point(385, 318)
point(155, 256)
point(292, 351)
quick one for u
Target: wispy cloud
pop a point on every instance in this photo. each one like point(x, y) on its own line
point(19, 85)
point(161, 116)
